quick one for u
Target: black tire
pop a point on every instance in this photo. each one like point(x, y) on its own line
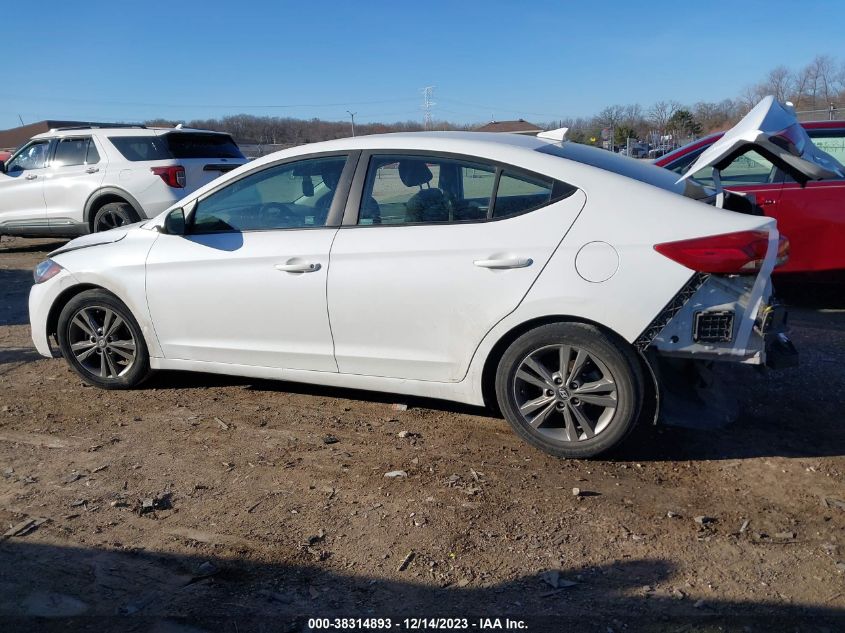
point(113, 215)
point(596, 425)
point(100, 357)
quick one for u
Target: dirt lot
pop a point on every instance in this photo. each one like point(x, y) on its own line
point(267, 503)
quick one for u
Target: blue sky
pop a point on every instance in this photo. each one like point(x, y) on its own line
point(541, 60)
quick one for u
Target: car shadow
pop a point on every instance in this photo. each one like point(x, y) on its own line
point(61, 588)
point(21, 246)
point(15, 284)
point(10, 355)
point(772, 421)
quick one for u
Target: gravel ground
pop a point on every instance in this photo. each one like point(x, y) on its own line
point(202, 503)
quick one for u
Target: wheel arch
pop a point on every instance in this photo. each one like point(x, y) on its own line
point(491, 363)
point(62, 300)
point(106, 195)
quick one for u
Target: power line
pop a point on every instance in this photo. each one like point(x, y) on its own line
point(208, 105)
point(488, 108)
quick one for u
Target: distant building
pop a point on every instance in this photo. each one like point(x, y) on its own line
point(520, 126)
point(15, 137)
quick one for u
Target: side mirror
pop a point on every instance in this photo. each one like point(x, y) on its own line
point(2, 167)
point(174, 223)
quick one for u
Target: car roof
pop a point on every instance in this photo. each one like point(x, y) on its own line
point(139, 130)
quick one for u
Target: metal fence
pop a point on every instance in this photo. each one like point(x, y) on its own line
point(830, 113)
point(252, 150)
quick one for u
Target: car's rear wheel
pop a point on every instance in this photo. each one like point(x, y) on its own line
point(570, 389)
point(113, 215)
point(102, 342)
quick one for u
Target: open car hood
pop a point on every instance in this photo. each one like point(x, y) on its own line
point(772, 130)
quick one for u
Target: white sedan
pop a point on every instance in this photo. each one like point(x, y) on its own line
point(546, 278)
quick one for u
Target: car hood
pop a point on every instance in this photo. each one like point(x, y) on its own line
point(95, 239)
point(773, 130)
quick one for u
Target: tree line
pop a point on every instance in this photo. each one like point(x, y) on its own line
point(813, 87)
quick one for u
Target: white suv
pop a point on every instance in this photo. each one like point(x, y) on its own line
point(71, 181)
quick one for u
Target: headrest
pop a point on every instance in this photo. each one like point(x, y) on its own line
point(307, 186)
point(414, 172)
point(330, 174)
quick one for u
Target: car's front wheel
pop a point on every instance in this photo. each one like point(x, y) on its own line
point(570, 389)
point(102, 341)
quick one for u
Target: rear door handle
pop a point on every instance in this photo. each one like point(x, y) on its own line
point(505, 262)
point(298, 267)
point(31, 176)
point(92, 170)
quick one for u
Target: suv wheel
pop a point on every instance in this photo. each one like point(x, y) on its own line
point(102, 342)
point(114, 214)
point(570, 389)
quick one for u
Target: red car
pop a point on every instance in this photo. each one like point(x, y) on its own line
point(811, 214)
point(4, 156)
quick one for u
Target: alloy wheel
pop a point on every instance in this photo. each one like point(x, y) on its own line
point(111, 220)
point(565, 393)
point(102, 342)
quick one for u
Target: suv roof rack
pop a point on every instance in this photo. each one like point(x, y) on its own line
point(99, 126)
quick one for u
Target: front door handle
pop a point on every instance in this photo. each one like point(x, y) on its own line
point(298, 267)
point(92, 170)
point(505, 262)
point(31, 176)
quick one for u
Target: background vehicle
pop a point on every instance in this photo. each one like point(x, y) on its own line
point(72, 181)
point(545, 276)
point(812, 215)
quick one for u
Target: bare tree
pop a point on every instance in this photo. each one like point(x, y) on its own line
point(780, 83)
point(660, 114)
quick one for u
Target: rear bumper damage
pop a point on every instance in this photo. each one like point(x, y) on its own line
point(713, 319)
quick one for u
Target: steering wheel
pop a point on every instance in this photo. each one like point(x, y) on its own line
point(278, 215)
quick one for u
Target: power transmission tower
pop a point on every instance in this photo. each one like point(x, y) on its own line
point(427, 104)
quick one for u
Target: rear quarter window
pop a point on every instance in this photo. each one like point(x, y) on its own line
point(138, 148)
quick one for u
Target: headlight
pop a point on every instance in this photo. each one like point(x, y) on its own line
point(46, 270)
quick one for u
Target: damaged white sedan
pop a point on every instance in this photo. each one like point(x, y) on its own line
point(544, 277)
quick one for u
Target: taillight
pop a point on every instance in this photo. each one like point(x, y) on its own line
point(172, 176)
point(730, 253)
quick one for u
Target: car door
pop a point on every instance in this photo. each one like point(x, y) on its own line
point(21, 187)
point(73, 174)
point(246, 283)
point(434, 251)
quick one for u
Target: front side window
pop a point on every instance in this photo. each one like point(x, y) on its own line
point(33, 156)
point(70, 151)
point(425, 189)
point(749, 168)
point(293, 195)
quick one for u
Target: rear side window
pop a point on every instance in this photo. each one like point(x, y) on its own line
point(71, 151)
point(136, 148)
point(518, 194)
point(830, 141)
point(404, 189)
point(191, 145)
